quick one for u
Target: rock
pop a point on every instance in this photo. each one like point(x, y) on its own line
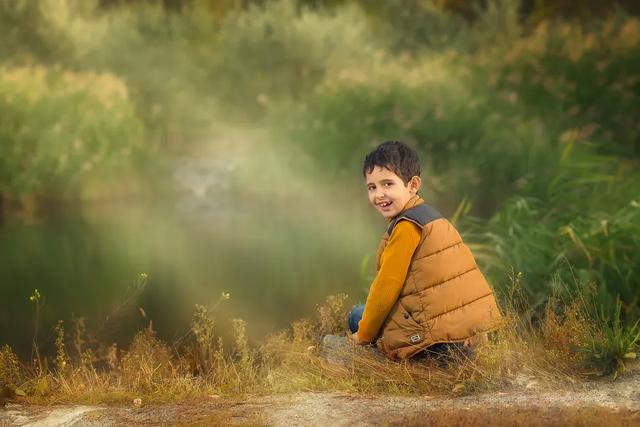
point(341, 350)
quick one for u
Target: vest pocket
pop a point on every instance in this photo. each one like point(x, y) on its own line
point(401, 329)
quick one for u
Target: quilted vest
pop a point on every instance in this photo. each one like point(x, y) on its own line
point(445, 297)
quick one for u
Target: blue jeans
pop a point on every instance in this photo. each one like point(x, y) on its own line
point(355, 315)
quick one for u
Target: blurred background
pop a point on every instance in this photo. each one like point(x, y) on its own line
point(155, 154)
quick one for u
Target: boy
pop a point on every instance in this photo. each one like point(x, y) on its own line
point(428, 289)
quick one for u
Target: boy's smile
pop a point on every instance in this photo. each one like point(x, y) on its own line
point(387, 192)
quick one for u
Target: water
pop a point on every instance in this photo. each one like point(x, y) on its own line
point(278, 257)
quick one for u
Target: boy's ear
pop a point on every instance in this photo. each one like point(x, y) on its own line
point(414, 184)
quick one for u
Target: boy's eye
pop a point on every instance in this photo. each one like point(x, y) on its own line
point(388, 184)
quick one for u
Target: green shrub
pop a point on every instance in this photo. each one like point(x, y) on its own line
point(280, 51)
point(167, 61)
point(187, 68)
point(42, 29)
point(614, 342)
point(415, 25)
point(57, 127)
point(586, 228)
point(471, 145)
point(580, 78)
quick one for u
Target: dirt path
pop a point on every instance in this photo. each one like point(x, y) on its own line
point(603, 403)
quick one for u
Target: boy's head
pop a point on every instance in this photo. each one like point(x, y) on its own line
point(392, 175)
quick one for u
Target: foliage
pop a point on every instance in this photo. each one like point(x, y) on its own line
point(581, 81)
point(186, 67)
point(258, 60)
point(147, 363)
point(332, 315)
point(11, 372)
point(417, 25)
point(568, 343)
point(56, 127)
point(615, 344)
point(443, 109)
point(587, 227)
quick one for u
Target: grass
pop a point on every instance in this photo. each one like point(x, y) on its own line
point(569, 342)
point(616, 343)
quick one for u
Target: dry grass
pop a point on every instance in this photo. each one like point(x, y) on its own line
point(549, 351)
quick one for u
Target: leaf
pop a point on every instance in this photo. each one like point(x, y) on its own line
point(19, 392)
point(42, 386)
point(458, 388)
point(630, 355)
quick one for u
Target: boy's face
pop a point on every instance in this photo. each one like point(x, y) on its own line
point(387, 192)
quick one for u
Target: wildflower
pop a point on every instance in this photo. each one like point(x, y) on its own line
point(35, 296)
point(225, 295)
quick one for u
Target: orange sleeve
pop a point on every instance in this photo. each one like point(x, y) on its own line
point(388, 283)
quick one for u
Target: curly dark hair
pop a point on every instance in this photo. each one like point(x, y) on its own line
point(396, 156)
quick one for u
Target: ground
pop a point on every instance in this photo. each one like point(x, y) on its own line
point(603, 402)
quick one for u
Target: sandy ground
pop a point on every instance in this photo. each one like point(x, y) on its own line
point(599, 403)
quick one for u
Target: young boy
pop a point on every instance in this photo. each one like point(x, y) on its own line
point(428, 289)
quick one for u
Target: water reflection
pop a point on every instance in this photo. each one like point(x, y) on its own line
point(277, 258)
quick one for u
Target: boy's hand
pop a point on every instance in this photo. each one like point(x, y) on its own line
point(354, 337)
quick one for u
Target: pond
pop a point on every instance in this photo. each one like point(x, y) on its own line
point(278, 257)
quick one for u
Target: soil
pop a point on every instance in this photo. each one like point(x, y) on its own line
point(603, 402)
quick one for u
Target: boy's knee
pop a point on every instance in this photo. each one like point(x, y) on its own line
point(355, 315)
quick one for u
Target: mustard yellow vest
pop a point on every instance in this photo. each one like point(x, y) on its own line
point(445, 297)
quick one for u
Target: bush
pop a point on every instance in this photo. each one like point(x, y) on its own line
point(148, 365)
point(614, 343)
point(280, 51)
point(586, 229)
point(188, 67)
point(11, 373)
point(57, 127)
point(472, 145)
point(581, 78)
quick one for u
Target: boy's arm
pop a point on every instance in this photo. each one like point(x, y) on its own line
point(388, 283)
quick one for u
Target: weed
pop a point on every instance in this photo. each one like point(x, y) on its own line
point(205, 340)
point(147, 363)
point(564, 344)
point(61, 353)
point(332, 315)
point(613, 344)
point(38, 301)
point(79, 336)
point(11, 372)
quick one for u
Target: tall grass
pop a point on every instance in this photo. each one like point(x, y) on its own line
point(569, 342)
point(585, 227)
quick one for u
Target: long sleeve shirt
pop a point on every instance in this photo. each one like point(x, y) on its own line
point(387, 285)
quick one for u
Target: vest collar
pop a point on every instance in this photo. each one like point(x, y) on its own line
point(411, 203)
